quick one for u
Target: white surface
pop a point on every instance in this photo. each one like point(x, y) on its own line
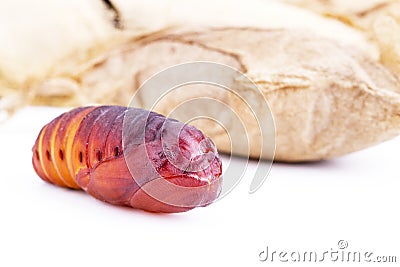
point(303, 207)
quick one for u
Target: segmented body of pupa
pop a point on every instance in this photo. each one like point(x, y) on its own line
point(129, 156)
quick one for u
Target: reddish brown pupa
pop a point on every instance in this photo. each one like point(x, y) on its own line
point(162, 165)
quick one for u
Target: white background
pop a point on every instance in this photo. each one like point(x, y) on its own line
point(301, 207)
